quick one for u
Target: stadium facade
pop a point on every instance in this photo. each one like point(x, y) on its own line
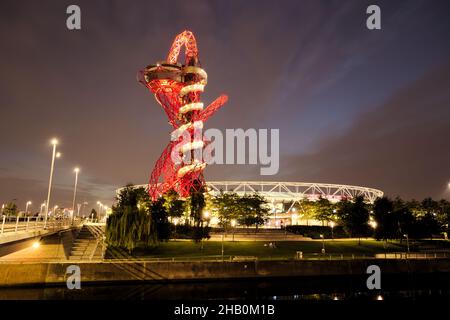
point(282, 196)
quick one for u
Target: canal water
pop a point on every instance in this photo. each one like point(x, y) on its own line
point(399, 287)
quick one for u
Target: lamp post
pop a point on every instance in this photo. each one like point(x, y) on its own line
point(78, 209)
point(407, 241)
point(105, 211)
point(82, 208)
point(175, 222)
point(54, 142)
point(42, 206)
point(76, 170)
point(222, 245)
point(332, 227)
point(233, 224)
point(206, 216)
point(323, 243)
point(26, 206)
point(100, 206)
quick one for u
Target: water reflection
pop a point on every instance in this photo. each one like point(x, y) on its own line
point(317, 288)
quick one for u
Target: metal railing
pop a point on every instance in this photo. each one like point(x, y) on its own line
point(16, 224)
point(299, 256)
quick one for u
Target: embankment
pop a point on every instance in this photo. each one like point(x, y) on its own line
point(14, 274)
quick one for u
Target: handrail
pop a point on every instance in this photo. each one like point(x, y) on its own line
point(9, 225)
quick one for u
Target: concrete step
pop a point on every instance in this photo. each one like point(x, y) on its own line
point(81, 241)
point(86, 242)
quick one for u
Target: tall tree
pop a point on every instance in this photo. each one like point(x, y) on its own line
point(160, 219)
point(10, 209)
point(174, 206)
point(387, 225)
point(324, 210)
point(227, 207)
point(355, 217)
point(307, 209)
point(131, 225)
point(253, 210)
point(197, 205)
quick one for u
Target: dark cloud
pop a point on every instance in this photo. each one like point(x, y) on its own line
point(401, 146)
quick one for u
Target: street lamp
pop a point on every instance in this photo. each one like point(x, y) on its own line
point(54, 143)
point(206, 214)
point(105, 210)
point(407, 241)
point(323, 243)
point(175, 222)
point(332, 227)
point(100, 206)
point(82, 208)
point(76, 170)
point(233, 224)
point(42, 206)
point(27, 205)
point(294, 218)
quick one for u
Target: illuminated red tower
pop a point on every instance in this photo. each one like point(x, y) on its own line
point(177, 88)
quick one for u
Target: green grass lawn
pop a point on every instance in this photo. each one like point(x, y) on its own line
point(284, 249)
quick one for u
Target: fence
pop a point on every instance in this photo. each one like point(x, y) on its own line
point(25, 224)
point(298, 256)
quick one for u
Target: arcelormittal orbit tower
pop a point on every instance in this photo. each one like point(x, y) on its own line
point(177, 88)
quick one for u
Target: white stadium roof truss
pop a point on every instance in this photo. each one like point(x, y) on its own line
point(292, 191)
point(295, 191)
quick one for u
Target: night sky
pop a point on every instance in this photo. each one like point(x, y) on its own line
point(353, 106)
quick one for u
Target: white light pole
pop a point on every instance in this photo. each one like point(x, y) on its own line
point(100, 206)
point(27, 205)
point(332, 227)
point(323, 243)
point(233, 225)
point(42, 206)
point(54, 142)
point(76, 170)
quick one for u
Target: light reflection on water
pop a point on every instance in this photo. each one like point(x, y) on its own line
point(298, 289)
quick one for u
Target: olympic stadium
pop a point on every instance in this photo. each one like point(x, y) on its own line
point(282, 196)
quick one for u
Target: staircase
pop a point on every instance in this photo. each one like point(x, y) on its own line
point(89, 243)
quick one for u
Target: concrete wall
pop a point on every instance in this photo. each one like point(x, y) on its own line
point(51, 273)
point(55, 245)
point(26, 235)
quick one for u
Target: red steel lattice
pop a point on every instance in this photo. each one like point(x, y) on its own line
point(177, 88)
